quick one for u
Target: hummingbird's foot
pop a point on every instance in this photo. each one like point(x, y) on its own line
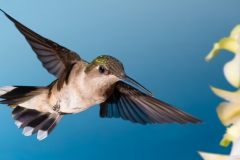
point(56, 107)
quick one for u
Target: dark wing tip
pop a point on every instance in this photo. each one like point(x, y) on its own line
point(195, 120)
point(192, 119)
point(6, 14)
point(3, 11)
point(198, 121)
point(11, 18)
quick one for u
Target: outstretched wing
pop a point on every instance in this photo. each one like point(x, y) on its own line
point(130, 104)
point(54, 57)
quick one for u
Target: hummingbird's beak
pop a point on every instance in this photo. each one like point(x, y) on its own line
point(130, 80)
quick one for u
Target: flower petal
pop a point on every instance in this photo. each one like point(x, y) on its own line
point(211, 156)
point(235, 32)
point(213, 53)
point(226, 140)
point(229, 43)
point(232, 70)
point(233, 97)
point(235, 152)
point(228, 113)
point(233, 133)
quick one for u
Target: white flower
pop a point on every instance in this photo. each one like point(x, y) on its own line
point(233, 132)
point(235, 152)
point(228, 112)
point(212, 156)
point(232, 68)
point(229, 43)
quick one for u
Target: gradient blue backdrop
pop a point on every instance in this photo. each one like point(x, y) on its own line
point(162, 45)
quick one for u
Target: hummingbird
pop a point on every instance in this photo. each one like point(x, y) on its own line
point(79, 86)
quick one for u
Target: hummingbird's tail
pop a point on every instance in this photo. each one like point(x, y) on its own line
point(34, 121)
point(29, 118)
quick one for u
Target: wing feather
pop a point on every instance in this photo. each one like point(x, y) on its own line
point(47, 50)
point(131, 104)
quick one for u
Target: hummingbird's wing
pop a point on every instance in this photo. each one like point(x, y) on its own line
point(131, 104)
point(54, 57)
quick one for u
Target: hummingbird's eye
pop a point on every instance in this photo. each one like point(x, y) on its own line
point(101, 69)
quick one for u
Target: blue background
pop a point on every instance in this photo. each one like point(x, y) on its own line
point(162, 45)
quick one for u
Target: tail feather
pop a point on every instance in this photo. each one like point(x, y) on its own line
point(34, 121)
point(30, 119)
point(45, 128)
point(27, 116)
point(38, 120)
point(17, 112)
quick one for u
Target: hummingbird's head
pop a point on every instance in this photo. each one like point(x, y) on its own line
point(105, 65)
point(109, 68)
